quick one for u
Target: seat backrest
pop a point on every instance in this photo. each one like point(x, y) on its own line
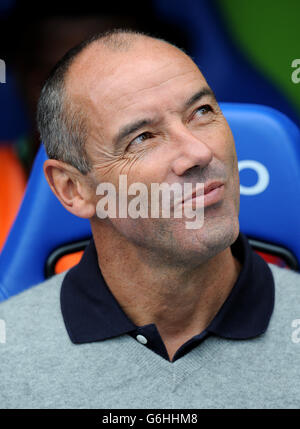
point(268, 148)
point(41, 226)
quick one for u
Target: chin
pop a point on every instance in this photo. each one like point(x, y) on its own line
point(208, 241)
point(218, 237)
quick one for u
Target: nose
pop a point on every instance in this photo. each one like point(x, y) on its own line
point(191, 151)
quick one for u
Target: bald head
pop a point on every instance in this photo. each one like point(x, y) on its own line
point(62, 116)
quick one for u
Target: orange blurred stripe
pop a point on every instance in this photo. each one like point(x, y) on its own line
point(12, 187)
point(67, 261)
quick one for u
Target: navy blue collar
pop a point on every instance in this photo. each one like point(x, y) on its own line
point(91, 313)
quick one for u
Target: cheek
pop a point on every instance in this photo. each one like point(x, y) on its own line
point(233, 174)
point(224, 148)
point(136, 170)
point(226, 153)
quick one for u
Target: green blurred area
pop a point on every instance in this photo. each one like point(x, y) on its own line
point(268, 32)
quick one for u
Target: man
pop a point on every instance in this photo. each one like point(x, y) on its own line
point(156, 315)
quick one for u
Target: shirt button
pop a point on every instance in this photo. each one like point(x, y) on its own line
point(141, 339)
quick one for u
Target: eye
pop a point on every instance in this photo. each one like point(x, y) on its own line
point(141, 138)
point(202, 110)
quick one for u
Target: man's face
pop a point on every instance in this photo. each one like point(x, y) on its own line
point(153, 118)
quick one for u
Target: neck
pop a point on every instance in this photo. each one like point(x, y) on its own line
point(181, 301)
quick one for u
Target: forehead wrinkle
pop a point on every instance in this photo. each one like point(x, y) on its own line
point(158, 85)
point(148, 107)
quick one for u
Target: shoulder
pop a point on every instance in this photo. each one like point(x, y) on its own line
point(40, 298)
point(287, 295)
point(33, 326)
point(287, 285)
point(285, 280)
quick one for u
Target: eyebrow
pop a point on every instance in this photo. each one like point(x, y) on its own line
point(133, 127)
point(198, 95)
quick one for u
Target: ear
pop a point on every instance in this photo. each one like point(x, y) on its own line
point(71, 187)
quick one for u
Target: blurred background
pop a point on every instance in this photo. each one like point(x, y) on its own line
point(245, 49)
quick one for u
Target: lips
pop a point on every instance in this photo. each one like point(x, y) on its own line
point(210, 187)
point(213, 192)
point(207, 189)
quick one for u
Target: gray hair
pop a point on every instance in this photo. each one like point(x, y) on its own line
point(62, 126)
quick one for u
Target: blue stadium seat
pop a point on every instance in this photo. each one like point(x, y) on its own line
point(42, 225)
point(268, 147)
point(268, 150)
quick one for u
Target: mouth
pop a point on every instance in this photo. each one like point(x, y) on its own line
point(213, 193)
